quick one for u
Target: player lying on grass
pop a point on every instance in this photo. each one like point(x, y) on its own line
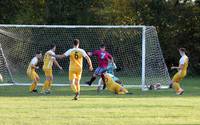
point(182, 71)
point(102, 57)
point(32, 74)
point(75, 68)
point(110, 71)
point(49, 60)
point(112, 85)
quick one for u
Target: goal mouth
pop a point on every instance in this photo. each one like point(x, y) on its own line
point(135, 49)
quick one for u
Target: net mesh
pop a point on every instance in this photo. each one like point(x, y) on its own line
point(4, 70)
point(123, 43)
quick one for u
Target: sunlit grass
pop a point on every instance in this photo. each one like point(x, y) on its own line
point(18, 107)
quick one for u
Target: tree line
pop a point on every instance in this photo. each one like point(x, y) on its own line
point(177, 21)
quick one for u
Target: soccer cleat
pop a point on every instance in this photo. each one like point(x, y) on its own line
point(88, 83)
point(76, 97)
point(35, 90)
point(151, 87)
point(180, 92)
point(170, 86)
point(129, 93)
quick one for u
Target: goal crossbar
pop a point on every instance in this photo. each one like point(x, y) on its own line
point(72, 26)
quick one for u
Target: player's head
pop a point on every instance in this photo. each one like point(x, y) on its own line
point(182, 51)
point(38, 54)
point(102, 47)
point(53, 47)
point(76, 42)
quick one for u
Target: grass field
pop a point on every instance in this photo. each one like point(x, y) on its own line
point(18, 107)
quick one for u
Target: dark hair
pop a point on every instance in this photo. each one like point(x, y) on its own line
point(182, 49)
point(52, 46)
point(102, 45)
point(76, 42)
point(38, 52)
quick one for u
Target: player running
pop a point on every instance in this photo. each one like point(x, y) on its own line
point(75, 68)
point(32, 74)
point(103, 58)
point(49, 60)
point(182, 71)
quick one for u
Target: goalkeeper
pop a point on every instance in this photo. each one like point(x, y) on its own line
point(110, 71)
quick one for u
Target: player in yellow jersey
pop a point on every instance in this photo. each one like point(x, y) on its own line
point(113, 86)
point(49, 60)
point(75, 68)
point(182, 71)
point(32, 74)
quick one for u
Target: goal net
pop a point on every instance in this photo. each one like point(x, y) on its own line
point(136, 50)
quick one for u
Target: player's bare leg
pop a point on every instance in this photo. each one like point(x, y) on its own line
point(75, 88)
point(77, 83)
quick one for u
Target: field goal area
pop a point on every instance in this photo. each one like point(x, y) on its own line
point(136, 50)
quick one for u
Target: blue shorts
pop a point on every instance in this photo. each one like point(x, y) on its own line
point(100, 70)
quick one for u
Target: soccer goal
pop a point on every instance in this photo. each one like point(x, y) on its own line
point(136, 50)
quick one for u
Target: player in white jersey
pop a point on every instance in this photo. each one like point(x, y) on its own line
point(182, 71)
point(32, 74)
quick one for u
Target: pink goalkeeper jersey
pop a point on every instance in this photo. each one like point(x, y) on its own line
point(103, 57)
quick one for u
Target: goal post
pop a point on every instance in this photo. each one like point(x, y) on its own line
point(144, 86)
point(136, 50)
point(5, 70)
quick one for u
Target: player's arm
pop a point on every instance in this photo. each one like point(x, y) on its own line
point(180, 67)
point(94, 53)
point(57, 64)
point(89, 62)
point(114, 66)
point(60, 56)
point(111, 58)
point(64, 55)
point(88, 59)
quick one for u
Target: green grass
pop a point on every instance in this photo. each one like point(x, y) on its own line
point(18, 107)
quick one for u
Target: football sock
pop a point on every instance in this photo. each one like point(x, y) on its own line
point(78, 87)
point(73, 87)
point(33, 86)
point(92, 80)
point(176, 86)
point(49, 84)
point(45, 86)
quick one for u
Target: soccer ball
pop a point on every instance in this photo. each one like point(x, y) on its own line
point(155, 86)
point(1, 78)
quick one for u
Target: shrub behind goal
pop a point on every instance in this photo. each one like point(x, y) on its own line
point(136, 50)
